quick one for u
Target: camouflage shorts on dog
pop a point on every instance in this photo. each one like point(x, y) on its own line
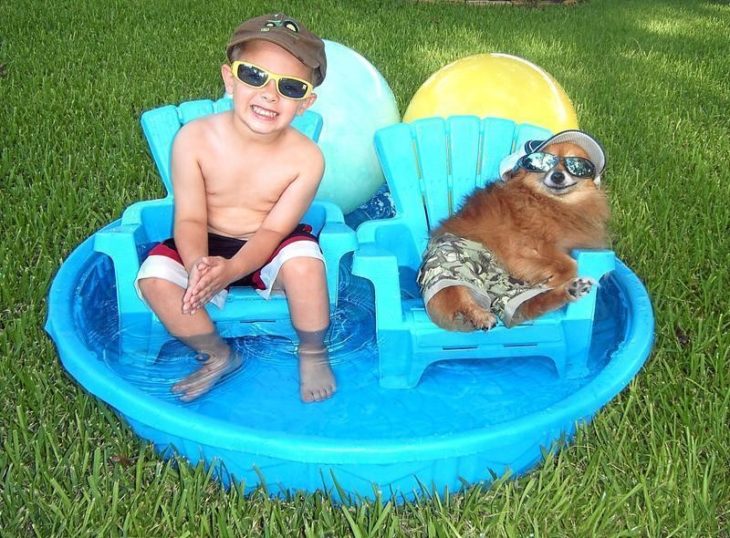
point(450, 260)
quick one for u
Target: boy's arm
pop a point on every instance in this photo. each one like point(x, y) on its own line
point(283, 217)
point(191, 214)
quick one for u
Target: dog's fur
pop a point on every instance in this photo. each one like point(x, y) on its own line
point(531, 229)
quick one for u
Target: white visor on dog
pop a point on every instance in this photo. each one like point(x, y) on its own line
point(590, 145)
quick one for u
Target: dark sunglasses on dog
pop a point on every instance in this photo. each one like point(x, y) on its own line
point(540, 161)
point(257, 77)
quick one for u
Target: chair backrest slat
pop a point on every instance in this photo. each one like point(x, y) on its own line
point(497, 142)
point(464, 139)
point(161, 125)
point(433, 153)
point(192, 110)
point(396, 149)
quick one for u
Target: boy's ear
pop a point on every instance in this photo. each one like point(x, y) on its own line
point(306, 103)
point(227, 76)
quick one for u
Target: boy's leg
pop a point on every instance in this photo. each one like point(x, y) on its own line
point(196, 331)
point(305, 285)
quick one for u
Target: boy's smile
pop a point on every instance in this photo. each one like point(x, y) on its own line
point(265, 113)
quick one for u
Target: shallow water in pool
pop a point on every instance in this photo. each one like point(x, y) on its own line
point(452, 397)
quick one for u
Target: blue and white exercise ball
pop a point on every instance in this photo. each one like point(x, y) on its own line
point(354, 101)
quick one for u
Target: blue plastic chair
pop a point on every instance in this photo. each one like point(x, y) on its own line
point(145, 223)
point(430, 165)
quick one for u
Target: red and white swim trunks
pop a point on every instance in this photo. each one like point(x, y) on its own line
point(164, 262)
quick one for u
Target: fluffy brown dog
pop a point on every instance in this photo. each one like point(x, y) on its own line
point(529, 223)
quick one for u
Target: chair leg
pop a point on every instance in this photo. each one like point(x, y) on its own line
point(398, 368)
point(578, 335)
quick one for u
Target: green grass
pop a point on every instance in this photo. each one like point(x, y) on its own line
point(649, 78)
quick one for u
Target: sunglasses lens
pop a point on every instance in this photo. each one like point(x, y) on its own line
point(251, 75)
point(580, 167)
point(539, 162)
point(292, 88)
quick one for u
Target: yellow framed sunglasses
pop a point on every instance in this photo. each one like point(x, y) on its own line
point(257, 77)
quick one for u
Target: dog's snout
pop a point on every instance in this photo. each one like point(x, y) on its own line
point(557, 177)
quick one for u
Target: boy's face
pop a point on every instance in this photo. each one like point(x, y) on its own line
point(264, 110)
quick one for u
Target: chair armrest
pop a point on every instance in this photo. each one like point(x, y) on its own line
point(594, 263)
point(332, 211)
point(591, 264)
point(393, 235)
point(119, 242)
point(321, 212)
point(380, 266)
point(335, 239)
point(142, 223)
point(154, 216)
point(373, 231)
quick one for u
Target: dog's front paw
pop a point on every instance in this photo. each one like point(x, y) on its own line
point(579, 287)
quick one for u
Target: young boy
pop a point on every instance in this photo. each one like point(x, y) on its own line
point(242, 181)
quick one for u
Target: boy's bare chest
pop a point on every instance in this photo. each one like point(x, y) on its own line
point(247, 181)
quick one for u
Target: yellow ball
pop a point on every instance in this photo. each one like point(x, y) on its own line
point(495, 85)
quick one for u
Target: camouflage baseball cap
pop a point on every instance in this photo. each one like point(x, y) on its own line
point(289, 34)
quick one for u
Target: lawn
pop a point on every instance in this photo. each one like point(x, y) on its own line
point(647, 77)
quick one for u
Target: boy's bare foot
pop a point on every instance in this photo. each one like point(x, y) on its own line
point(202, 380)
point(316, 380)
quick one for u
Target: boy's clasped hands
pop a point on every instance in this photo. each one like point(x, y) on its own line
point(208, 276)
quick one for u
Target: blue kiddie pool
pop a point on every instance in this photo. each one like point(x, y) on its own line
point(464, 423)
